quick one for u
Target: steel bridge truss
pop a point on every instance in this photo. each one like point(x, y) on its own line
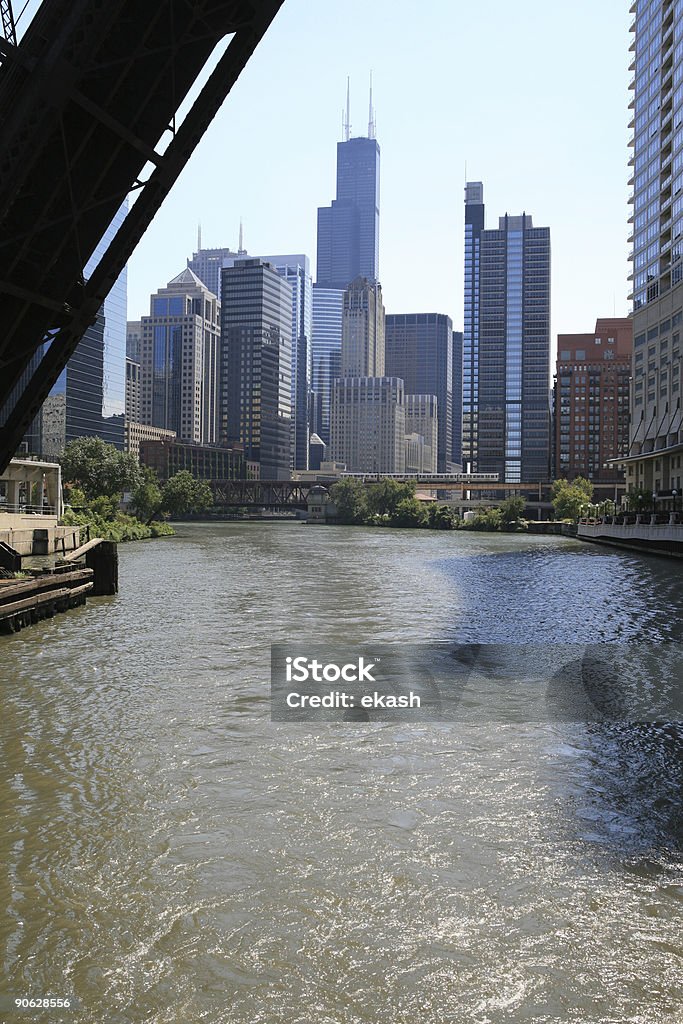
point(88, 106)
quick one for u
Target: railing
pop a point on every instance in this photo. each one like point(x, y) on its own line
point(22, 509)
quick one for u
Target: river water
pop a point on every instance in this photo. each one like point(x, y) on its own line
point(170, 855)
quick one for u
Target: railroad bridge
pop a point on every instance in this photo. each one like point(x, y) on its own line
point(465, 489)
point(90, 98)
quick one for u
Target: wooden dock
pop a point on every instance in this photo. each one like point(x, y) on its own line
point(25, 601)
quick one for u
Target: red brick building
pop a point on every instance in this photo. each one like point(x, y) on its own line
point(591, 408)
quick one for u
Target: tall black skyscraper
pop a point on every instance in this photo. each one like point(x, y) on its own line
point(348, 230)
point(474, 225)
point(419, 350)
point(255, 390)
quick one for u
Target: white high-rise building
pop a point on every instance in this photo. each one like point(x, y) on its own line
point(368, 424)
point(655, 460)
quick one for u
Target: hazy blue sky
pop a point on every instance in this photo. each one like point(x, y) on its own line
point(531, 95)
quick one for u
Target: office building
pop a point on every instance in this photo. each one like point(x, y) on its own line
point(456, 451)
point(168, 456)
point(655, 460)
point(348, 229)
point(328, 305)
point(363, 330)
point(133, 391)
point(368, 424)
point(88, 398)
point(208, 264)
point(474, 225)
point(513, 360)
point(135, 433)
point(591, 407)
point(295, 269)
point(419, 350)
point(422, 433)
point(256, 382)
point(180, 360)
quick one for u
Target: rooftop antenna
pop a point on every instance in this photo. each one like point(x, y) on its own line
point(199, 236)
point(346, 121)
point(371, 114)
point(240, 247)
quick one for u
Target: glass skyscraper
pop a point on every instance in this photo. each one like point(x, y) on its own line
point(348, 229)
point(419, 350)
point(474, 225)
point(513, 419)
point(297, 272)
point(655, 460)
point(89, 396)
point(256, 382)
point(456, 451)
point(328, 318)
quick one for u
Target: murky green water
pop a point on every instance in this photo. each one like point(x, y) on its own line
point(169, 855)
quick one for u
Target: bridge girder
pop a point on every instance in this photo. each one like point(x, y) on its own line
point(87, 101)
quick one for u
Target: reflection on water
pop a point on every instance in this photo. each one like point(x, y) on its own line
point(171, 855)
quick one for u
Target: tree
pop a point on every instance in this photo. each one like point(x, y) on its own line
point(639, 500)
point(441, 517)
point(512, 510)
point(487, 520)
point(183, 495)
point(350, 499)
point(147, 499)
point(383, 497)
point(569, 498)
point(409, 513)
point(98, 468)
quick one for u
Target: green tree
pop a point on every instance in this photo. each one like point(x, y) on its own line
point(639, 500)
point(512, 510)
point(98, 468)
point(488, 520)
point(384, 497)
point(441, 517)
point(350, 497)
point(147, 499)
point(569, 498)
point(183, 495)
point(409, 513)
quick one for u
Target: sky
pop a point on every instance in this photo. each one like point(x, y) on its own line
point(530, 98)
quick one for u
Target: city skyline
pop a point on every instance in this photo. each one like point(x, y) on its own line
point(559, 160)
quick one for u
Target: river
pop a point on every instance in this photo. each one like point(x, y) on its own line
point(170, 855)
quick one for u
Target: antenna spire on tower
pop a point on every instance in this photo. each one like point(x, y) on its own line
point(346, 123)
point(199, 236)
point(371, 114)
point(240, 246)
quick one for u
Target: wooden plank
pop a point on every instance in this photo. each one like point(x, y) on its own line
point(80, 552)
point(32, 602)
point(42, 583)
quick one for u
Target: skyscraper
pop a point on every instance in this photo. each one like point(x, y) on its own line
point(656, 435)
point(89, 396)
point(513, 361)
point(363, 329)
point(348, 229)
point(179, 360)
point(456, 457)
point(328, 305)
point(419, 350)
point(368, 424)
point(255, 393)
point(208, 265)
point(474, 225)
point(348, 248)
point(297, 272)
point(592, 402)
